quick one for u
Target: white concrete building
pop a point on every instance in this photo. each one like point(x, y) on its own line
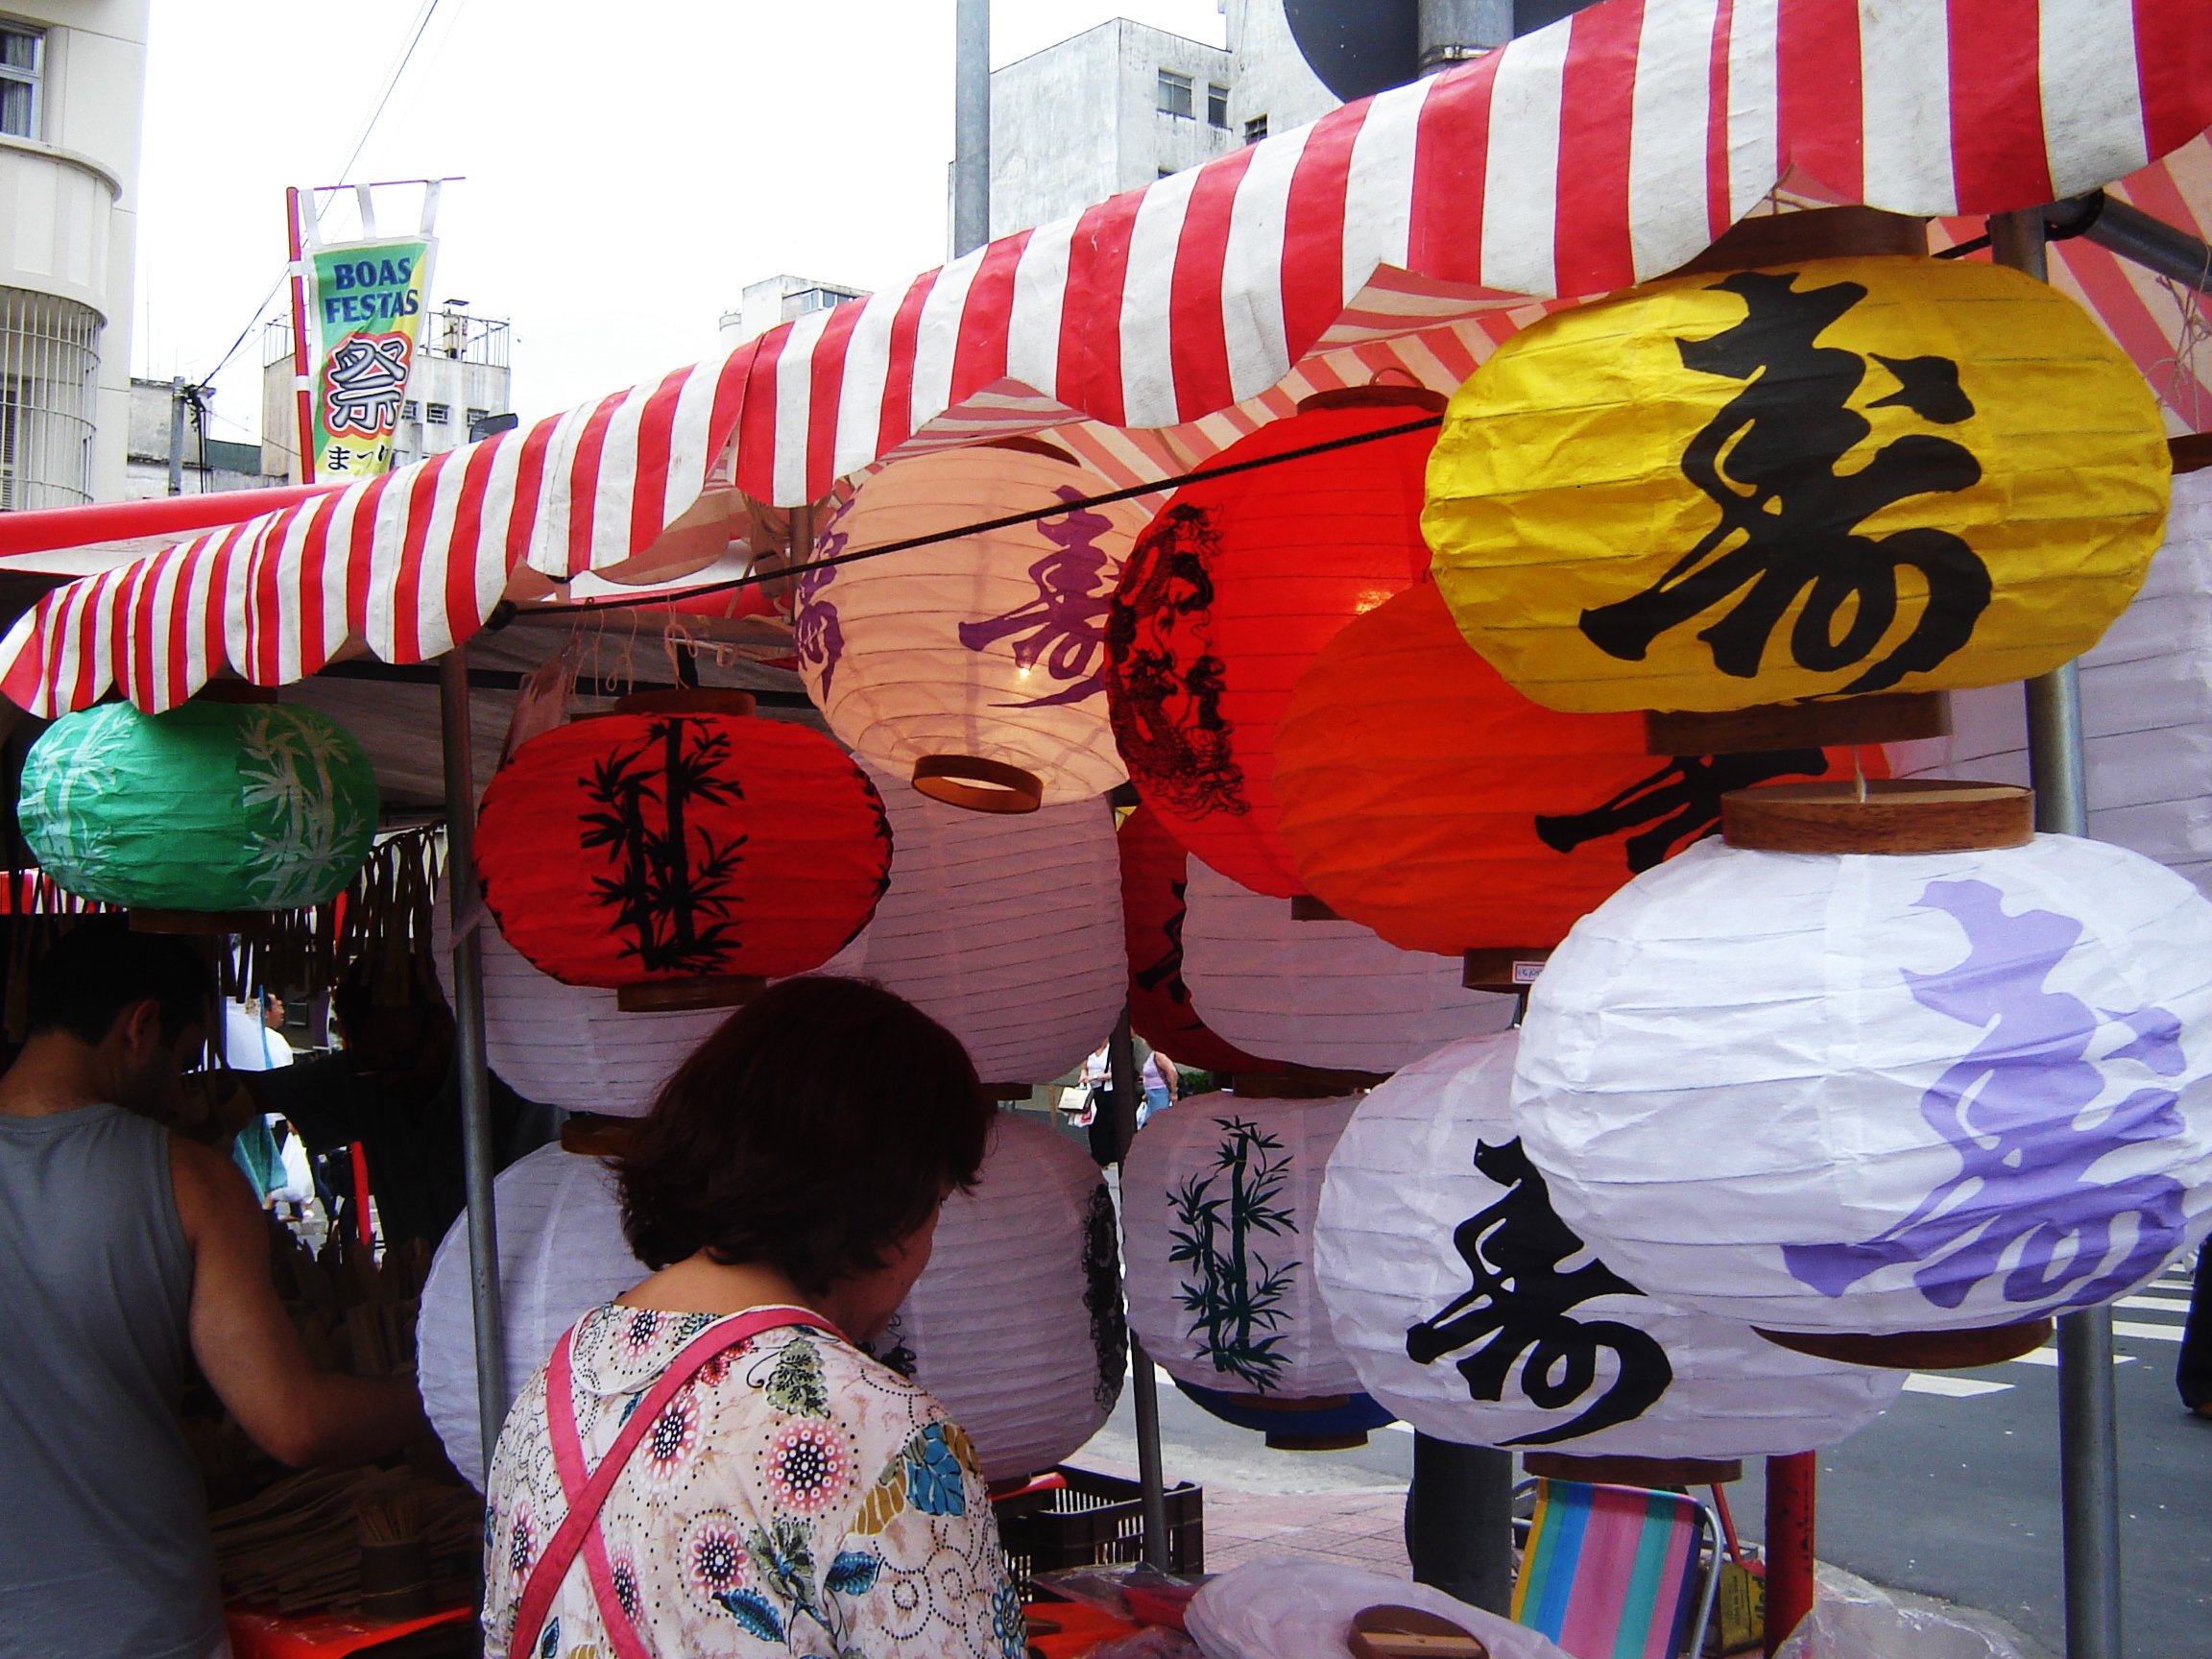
point(206, 463)
point(461, 375)
point(1110, 109)
point(778, 300)
point(1271, 90)
point(72, 87)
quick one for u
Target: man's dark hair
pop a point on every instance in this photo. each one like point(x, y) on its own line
point(100, 968)
point(819, 1125)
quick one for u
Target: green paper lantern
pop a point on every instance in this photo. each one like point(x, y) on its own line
point(213, 806)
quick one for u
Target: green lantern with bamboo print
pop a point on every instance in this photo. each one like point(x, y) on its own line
point(213, 806)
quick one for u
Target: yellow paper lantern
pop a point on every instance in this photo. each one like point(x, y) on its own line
point(1838, 476)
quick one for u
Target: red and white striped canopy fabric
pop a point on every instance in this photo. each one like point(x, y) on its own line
point(1411, 232)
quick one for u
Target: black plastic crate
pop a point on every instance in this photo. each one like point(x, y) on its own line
point(1094, 1519)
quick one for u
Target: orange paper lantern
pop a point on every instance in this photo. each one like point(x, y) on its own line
point(1426, 799)
point(1153, 883)
point(1232, 591)
point(686, 853)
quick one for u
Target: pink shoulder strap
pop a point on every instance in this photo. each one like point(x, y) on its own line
point(587, 1494)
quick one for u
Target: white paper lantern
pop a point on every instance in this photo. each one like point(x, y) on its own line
point(1217, 1207)
point(2145, 710)
point(1881, 1094)
point(1324, 993)
point(1015, 1324)
point(1471, 1310)
point(569, 1045)
point(1005, 930)
point(990, 648)
point(562, 1253)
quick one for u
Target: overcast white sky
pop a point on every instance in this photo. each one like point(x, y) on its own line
point(628, 168)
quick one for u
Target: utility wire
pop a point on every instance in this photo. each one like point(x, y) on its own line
point(391, 86)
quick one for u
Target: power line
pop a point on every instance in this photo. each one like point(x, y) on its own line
point(391, 86)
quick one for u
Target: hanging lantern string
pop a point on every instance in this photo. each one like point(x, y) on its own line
point(1427, 423)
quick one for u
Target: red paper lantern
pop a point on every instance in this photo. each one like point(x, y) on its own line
point(681, 856)
point(1160, 1009)
point(1233, 591)
point(1426, 799)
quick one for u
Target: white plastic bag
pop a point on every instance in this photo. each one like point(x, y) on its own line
point(1302, 1609)
point(1851, 1619)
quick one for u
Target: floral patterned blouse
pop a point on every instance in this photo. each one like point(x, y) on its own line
point(795, 1498)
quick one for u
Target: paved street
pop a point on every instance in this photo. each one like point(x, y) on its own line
point(1952, 1493)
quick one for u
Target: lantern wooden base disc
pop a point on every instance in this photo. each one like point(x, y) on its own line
point(978, 784)
point(1510, 967)
point(997, 1092)
point(1634, 1471)
point(706, 991)
point(1305, 907)
point(1918, 1349)
point(1811, 233)
point(1302, 1083)
point(688, 700)
point(594, 1135)
point(1894, 815)
point(1287, 1441)
point(199, 923)
point(1290, 1438)
point(1839, 723)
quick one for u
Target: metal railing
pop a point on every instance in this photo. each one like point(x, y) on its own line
point(49, 365)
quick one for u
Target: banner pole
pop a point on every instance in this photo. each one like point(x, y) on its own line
point(300, 377)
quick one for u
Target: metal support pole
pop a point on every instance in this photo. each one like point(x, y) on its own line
point(177, 436)
point(469, 1049)
point(1455, 31)
point(1791, 1491)
point(970, 126)
point(2088, 1428)
point(1459, 1522)
point(1144, 1395)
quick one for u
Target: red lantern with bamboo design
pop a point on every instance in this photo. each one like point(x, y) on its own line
point(1424, 798)
point(1233, 591)
point(681, 854)
point(1153, 882)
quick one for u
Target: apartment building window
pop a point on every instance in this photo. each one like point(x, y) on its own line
point(22, 55)
point(1218, 106)
point(1255, 129)
point(49, 361)
point(441, 413)
point(410, 410)
point(1175, 93)
point(476, 418)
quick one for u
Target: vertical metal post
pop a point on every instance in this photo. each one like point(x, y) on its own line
point(1453, 31)
point(1790, 1490)
point(1459, 1522)
point(970, 126)
point(301, 386)
point(476, 1149)
point(177, 436)
point(2089, 1426)
point(1144, 1387)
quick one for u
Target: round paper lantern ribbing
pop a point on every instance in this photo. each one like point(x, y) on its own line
point(2145, 710)
point(1231, 593)
point(1426, 799)
point(1880, 1093)
point(1153, 882)
point(674, 852)
point(1322, 994)
point(1015, 1324)
point(1217, 1202)
point(569, 1045)
point(974, 667)
point(1471, 1312)
point(562, 1253)
point(210, 807)
point(1006, 929)
point(1837, 476)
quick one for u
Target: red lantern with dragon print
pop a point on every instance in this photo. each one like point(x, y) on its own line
point(1233, 591)
point(1424, 798)
point(680, 854)
point(1153, 863)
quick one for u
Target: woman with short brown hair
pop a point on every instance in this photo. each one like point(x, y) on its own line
point(708, 1464)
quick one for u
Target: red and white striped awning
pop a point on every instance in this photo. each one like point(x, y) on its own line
point(1411, 231)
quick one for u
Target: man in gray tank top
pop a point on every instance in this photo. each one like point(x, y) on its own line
point(124, 1249)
